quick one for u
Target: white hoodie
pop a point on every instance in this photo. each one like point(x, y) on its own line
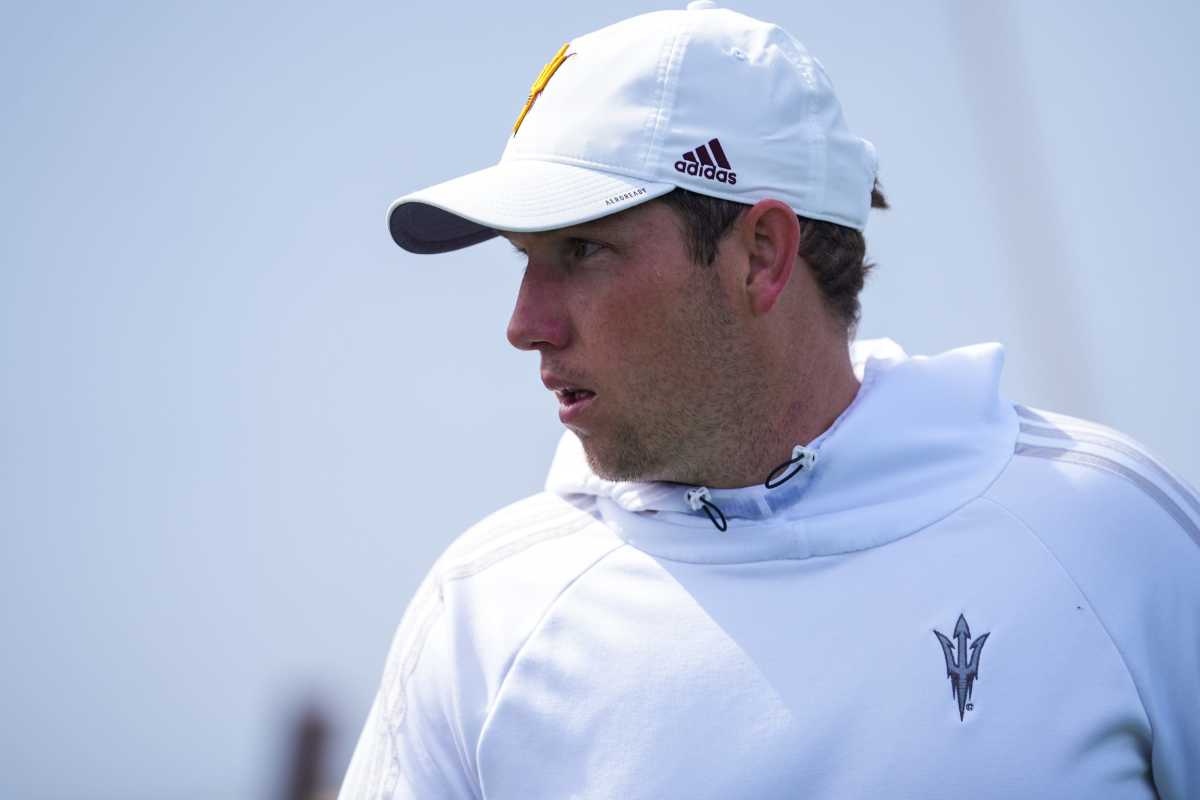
point(962, 598)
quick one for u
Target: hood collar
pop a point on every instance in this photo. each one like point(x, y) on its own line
point(923, 436)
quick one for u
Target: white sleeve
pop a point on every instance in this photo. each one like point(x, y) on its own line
point(477, 606)
point(1127, 531)
point(412, 746)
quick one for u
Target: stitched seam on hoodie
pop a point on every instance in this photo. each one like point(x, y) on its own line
point(429, 603)
point(1100, 620)
point(553, 530)
point(520, 651)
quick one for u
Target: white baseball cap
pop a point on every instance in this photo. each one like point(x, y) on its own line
point(706, 99)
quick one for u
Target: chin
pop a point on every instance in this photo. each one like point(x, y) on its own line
point(620, 463)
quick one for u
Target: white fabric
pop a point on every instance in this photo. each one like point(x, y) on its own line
point(632, 113)
point(603, 640)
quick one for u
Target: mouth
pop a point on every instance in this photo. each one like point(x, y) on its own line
point(573, 402)
point(569, 397)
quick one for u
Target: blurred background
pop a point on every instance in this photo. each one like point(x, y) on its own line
point(238, 424)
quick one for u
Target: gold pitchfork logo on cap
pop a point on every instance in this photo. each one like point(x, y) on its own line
point(542, 79)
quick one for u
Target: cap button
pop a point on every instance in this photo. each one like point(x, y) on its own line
point(701, 5)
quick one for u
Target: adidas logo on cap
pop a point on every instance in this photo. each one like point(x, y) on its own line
point(700, 162)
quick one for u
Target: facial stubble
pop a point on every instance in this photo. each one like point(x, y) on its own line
point(684, 410)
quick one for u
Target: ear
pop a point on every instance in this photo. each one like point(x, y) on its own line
point(771, 235)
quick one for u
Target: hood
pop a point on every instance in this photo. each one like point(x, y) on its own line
point(923, 436)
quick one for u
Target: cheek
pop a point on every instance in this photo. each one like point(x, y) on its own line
point(660, 343)
point(644, 326)
point(636, 322)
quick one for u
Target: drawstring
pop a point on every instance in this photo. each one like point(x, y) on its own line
point(700, 498)
point(802, 459)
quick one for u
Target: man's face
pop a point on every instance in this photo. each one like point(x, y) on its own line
point(641, 344)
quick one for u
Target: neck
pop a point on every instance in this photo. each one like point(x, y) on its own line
point(818, 391)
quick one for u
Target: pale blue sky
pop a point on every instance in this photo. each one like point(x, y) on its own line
point(237, 424)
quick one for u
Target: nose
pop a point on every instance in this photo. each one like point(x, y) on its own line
point(539, 320)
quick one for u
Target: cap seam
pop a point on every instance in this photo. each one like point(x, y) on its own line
point(818, 146)
point(667, 92)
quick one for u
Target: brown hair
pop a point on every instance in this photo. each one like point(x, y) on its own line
point(836, 254)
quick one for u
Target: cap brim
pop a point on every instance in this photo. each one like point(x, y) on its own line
point(518, 196)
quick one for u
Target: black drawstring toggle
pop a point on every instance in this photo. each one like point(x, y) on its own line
point(700, 498)
point(802, 459)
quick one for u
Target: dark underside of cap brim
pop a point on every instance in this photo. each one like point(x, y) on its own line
point(422, 228)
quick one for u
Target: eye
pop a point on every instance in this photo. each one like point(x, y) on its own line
point(582, 248)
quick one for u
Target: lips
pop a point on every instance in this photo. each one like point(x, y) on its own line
point(570, 396)
point(573, 405)
point(573, 397)
point(567, 387)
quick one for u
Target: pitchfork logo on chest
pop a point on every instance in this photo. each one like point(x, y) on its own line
point(962, 663)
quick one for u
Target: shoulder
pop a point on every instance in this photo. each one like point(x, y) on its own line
point(516, 529)
point(1122, 526)
point(1096, 474)
point(493, 582)
point(485, 595)
point(1126, 530)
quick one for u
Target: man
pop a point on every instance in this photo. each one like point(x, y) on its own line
point(767, 565)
